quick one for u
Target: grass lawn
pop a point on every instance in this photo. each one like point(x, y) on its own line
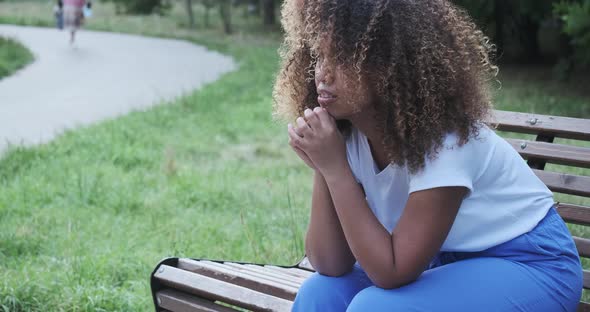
point(13, 56)
point(86, 217)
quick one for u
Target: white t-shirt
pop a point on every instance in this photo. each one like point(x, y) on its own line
point(505, 199)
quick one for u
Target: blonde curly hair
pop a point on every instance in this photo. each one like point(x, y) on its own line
point(428, 62)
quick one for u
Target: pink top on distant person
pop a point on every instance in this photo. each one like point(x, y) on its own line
point(76, 3)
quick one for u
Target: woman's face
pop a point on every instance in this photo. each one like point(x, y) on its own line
point(339, 90)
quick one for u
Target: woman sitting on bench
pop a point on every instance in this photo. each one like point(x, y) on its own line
point(417, 205)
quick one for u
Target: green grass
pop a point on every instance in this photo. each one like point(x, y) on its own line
point(13, 56)
point(86, 217)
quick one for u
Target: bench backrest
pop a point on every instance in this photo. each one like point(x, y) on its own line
point(561, 141)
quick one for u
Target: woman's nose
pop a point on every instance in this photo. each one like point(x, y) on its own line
point(322, 74)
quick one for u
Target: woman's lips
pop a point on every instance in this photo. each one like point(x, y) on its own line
point(325, 98)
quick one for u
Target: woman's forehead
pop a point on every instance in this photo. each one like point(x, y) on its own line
point(322, 44)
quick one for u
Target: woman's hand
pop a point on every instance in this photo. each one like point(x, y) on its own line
point(294, 134)
point(317, 140)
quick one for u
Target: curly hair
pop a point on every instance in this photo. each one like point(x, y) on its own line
point(429, 64)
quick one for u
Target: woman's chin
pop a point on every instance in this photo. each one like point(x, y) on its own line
point(331, 111)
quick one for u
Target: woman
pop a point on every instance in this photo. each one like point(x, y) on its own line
point(73, 16)
point(417, 205)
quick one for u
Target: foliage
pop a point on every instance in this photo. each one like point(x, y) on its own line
point(142, 6)
point(576, 24)
point(514, 21)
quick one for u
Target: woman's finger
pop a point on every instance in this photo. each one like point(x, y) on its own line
point(294, 138)
point(312, 119)
point(296, 129)
point(302, 127)
point(323, 116)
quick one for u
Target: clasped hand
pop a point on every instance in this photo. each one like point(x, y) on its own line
point(318, 142)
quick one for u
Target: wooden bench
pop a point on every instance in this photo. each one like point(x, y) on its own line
point(204, 285)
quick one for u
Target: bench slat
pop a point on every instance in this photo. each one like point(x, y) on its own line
point(228, 274)
point(583, 307)
point(244, 269)
point(237, 267)
point(176, 301)
point(280, 275)
point(583, 246)
point(553, 153)
point(586, 279)
point(574, 213)
point(565, 183)
point(564, 127)
point(214, 289)
point(293, 271)
point(305, 264)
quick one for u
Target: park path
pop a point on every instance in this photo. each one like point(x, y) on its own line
point(102, 76)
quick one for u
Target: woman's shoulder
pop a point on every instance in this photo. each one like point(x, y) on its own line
point(475, 153)
point(456, 164)
point(483, 139)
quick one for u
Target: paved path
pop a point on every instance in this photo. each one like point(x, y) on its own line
point(104, 75)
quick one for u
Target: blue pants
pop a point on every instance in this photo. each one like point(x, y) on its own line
point(537, 271)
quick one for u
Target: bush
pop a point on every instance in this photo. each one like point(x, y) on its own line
point(13, 56)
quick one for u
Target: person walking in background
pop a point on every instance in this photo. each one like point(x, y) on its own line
point(73, 16)
point(58, 12)
point(88, 10)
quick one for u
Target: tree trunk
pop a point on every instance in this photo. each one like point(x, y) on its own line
point(189, 10)
point(530, 41)
point(207, 7)
point(224, 9)
point(499, 9)
point(269, 12)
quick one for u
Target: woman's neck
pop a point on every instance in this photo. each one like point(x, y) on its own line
point(365, 123)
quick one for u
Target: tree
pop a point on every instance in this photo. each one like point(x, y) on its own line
point(499, 10)
point(268, 7)
point(207, 4)
point(528, 15)
point(225, 11)
point(141, 6)
point(519, 21)
point(191, 16)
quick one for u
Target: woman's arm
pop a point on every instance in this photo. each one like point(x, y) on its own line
point(393, 260)
point(325, 244)
point(390, 260)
